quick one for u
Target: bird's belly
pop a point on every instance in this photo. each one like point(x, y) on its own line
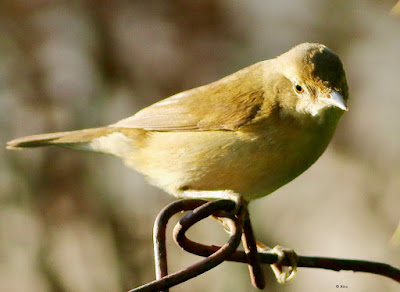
point(249, 165)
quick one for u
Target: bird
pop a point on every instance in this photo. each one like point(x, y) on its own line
point(242, 136)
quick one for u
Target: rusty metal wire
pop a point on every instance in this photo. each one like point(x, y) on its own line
point(250, 247)
point(202, 209)
point(240, 227)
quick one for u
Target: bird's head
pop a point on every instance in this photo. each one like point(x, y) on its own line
point(316, 79)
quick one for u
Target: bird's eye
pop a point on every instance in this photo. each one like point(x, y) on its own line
point(299, 89)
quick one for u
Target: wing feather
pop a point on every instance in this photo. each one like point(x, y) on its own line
point(226, 104)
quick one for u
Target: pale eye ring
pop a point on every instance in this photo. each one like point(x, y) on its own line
point(298, 88)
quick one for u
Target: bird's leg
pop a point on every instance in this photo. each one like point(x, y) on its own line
point(249, 242)
point(283, 275)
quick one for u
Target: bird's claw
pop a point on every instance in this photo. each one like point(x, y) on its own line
point(284, 274)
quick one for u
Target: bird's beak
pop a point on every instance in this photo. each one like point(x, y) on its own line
point(335, 99)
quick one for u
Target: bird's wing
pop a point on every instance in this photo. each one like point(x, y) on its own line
point(226, 104)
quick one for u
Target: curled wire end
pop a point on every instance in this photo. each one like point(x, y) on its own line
point(201, 209)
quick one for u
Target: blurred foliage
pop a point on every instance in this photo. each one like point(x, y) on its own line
point(77, 222)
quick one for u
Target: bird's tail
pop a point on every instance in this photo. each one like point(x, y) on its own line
point(75, 139)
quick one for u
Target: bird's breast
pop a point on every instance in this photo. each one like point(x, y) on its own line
point(252, 164)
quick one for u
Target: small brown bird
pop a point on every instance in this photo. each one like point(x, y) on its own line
point(244, 135)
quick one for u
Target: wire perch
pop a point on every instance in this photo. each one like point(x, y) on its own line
point(239, 226)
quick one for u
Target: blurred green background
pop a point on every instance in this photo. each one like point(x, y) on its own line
point(81, 222)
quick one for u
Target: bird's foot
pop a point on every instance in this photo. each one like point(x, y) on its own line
point(283, 273)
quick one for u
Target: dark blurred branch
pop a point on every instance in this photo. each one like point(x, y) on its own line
point(216, 254)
